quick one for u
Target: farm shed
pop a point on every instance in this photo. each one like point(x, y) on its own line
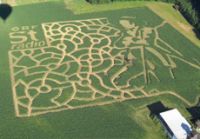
point(175, 125)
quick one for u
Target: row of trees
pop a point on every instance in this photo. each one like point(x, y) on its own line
point(189, 8)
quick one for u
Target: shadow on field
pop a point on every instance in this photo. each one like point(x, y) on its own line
point(195, 113)
point(197, 33)
point(156, 108)
point(5, 11)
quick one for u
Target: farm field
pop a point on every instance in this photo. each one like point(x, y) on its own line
point(91, 75)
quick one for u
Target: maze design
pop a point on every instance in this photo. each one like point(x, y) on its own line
point(88, 63)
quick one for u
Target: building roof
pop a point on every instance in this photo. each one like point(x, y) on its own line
point(177, 124)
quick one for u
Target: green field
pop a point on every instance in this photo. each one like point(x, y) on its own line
point(90, 75)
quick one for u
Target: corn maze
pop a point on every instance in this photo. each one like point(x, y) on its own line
point(91, 62)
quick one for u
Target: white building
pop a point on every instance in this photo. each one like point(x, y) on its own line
point(176, 126)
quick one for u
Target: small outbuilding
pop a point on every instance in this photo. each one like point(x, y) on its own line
point(175, 125)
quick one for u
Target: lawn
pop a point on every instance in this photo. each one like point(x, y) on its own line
point(91, 75)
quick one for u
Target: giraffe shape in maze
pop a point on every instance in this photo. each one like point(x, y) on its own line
point(82, 66)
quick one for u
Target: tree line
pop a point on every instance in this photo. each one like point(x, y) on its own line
point(191, 11)
point(189, 8)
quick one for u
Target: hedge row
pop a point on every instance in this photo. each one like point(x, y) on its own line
point(189, 8)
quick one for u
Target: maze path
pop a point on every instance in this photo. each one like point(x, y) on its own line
point(87, 63)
